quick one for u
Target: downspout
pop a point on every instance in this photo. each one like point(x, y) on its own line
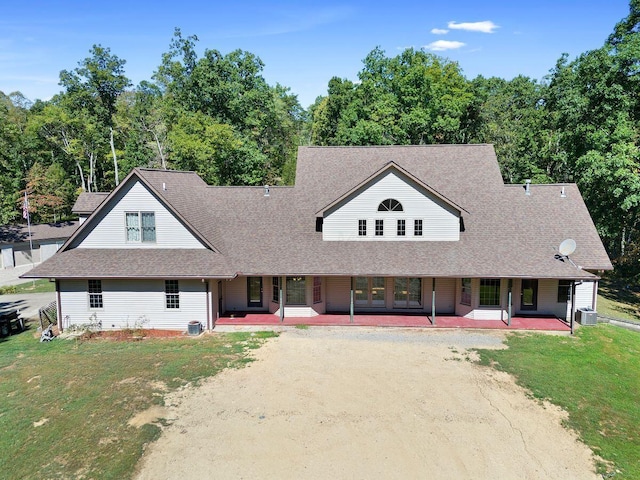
point(594, 300)
point(59, 306)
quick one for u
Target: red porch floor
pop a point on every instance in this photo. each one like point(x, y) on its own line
point(517, 323)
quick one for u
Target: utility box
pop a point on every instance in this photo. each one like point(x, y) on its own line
point(587, 316)
point(194, 328)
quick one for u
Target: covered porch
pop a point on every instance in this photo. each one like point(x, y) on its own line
point(541, 323)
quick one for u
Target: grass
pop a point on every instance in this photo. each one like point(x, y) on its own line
point(65, 405)
point(618, 301)
point(595, 377)
point(38, 286)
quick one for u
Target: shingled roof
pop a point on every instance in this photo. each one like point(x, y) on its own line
point(39, 231)
point(87, 202)
point(507, 233)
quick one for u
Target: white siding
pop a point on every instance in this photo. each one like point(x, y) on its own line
point(127, 303)
point(584, 295)
point(110, 231)
point(440, 222)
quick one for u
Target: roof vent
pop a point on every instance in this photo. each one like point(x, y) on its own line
point(562, 193)
point(527, 186)
point(266, 190)
point(164, 186)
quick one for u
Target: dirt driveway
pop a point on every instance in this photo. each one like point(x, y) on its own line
point(357, 403)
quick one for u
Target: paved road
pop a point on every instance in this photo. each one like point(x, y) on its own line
point(10, 276)
point(27, 303)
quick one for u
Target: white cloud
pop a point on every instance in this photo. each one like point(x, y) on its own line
point(439, 31)
point(485, 27)
point(442, 45)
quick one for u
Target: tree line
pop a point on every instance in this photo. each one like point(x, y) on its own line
point(217, 115)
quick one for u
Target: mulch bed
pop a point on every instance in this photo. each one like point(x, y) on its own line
point(135, 335)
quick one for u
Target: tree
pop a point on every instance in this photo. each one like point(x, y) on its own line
point(93, 89)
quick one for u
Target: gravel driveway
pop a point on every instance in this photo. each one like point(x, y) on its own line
point(351, 403)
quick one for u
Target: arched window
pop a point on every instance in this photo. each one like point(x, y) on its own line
point(390, 205)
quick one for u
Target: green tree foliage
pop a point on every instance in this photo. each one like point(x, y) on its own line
point(230, 90)
point(413, 98)
point(595, 109)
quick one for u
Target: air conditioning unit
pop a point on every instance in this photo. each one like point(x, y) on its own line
point(587, 316)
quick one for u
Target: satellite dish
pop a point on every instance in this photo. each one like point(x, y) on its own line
point(567, 247)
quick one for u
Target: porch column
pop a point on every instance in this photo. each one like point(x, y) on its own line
point(509, 304)
point(573, 303)
point(351, 303)
point(433, 301)
point(281, 299)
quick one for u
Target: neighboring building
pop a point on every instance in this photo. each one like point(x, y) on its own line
point(46, 239)
point(86, 204)
point(405, 228)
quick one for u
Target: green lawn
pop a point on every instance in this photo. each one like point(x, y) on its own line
point(618, 301)
point(38, 286)
point(64, 405)
point(595, 377)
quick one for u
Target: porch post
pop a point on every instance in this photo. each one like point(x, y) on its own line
point(281, 301)
point(351, 303)
point(433, 301)
point(573, 303)
point(509, 304)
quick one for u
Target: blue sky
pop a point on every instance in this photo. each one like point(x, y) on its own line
point(303, 44)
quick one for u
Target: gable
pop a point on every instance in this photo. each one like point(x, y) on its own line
point(108, 228)
point(439, 220)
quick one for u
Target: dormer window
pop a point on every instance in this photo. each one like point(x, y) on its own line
point(390, 205)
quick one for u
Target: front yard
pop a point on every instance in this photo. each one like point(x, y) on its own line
point(65, 405)
point(595, 377)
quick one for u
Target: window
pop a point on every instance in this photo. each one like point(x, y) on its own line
point(489, 292)
point(172, 294)
point(362, 228)
point(275, 289)
point(390, 205)
point(401, 228)
point(379, 228)
point(296, 291)
point(317, 289)
point(140, 226)
point(95, 293)
point(417, 228)
point(465, 294)
point(564, 291)
point(407, 292)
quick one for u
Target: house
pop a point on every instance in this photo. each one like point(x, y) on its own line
point(399, 229)
point(46, 239)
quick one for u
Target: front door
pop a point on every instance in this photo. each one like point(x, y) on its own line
point(369, 292)
point(529, 294)
point(254, 292)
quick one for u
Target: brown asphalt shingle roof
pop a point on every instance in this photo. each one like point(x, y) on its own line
point(507, 233)
point(87, 202)
point(39, 232)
